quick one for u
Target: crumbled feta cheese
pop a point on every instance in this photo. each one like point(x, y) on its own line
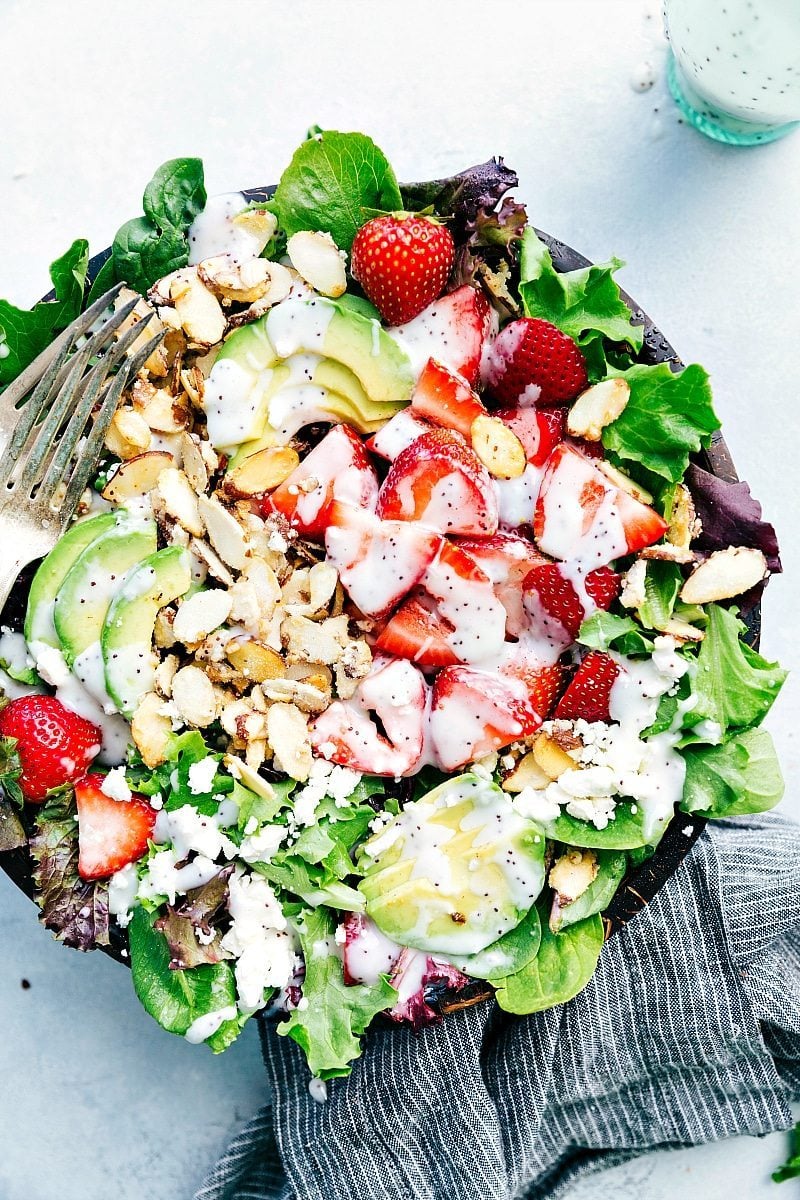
point(261, 846)
point(188, 830)
point(50, 663)
point(598, 810)
point(536, 806)
point(325, 779)
point(258, 938)
point(115, 785)
point(157, 801)
point(202, 775)
point(277, 542)
point(122, 893)
point(340, 934)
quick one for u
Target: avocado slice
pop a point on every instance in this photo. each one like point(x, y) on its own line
point(455, 870)
point(52, 571)
point(127, 636)
point(82, 601)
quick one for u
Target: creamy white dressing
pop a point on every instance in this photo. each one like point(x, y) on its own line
point(14, 651)
point(378, 561)
point(296, 326)
point(207, 1025)
point(213, 231)
point(573, 529)
point(516, 498)
point(233, 400)
point(89, 670)
point(290, 408)
point(368, 953)
point(472, 608)
point(258, 937)
point(459, 721)
point(398, 433)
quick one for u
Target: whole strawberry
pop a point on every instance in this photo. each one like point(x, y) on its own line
point(531, 361)
point(54, 744)
point(402, 262)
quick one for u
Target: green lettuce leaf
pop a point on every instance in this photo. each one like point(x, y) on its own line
point(24, 333)
point(791, 1168)
point(315, 885)
point(662, 582)
point(667, 417)
point(332, 179)
point(564, 965)
point(330, 1028)
point(741, 776)
point(171, 779)
point(607, 631)
point(611, 867)
point(74, 909)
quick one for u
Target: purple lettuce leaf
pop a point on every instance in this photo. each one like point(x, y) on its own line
point(195, 915)
point(76, 910)
point(730, 516)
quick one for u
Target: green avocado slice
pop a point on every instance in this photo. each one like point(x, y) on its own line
point(52, 571)
point(127, 635)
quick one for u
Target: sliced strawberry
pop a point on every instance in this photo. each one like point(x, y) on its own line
point(544, 687)
point(570, 597)
point(445, 399)
point(379, 562)
point(590, 449)
point(111, 833)
point(542, 682)
point(589, 693)
point(603, 585)
point(532, 361)
point(452, 330)
point(581, 516)
point(394, 694)
point(338, 468)
point(418, 632)
point(439, 482)
point(506, 558)
point(539, 430)
point(474, 713)
point(398, 432)
point(466, 602)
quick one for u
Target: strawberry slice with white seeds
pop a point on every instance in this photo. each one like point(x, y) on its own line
point(532, 361)
point(474, 713)
point(506, 558)
point(418, 632)
point(111, 833)
point(570, 596)
point(438, 482)
point(381, 730)
point(581, 516)
point(445, 399)
point(398, 433)
point(539, 430)
point(379, 562)
point(338, 468)
point(589, 693)
point(452, 330)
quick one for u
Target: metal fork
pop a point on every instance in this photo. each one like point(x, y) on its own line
point(46, 436)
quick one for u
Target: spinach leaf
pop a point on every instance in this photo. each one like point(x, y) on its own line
point(585, 303)
point(176, 194)
point(625, 832)
point(741, 776)
point(662, 582)
point(562, 968)
point(607, 631)
point(666, 418)
point(330, 1028)
point(174, 998)
point(330, 182)
point(611, 867)
point(24, 333)
point(735, 687)
point(791, 1168)
point(509, 954)
point(75, 910)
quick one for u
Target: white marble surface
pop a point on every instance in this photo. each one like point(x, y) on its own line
point(96, 1100)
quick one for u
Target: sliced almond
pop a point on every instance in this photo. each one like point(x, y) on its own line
point(315, 674)
point(308, 698)
point(322, 581)
point(136, 477)
point(128, 435)
point(682, 631)
point(572, 873)
point(163, 636)
point(200, 615)
point(315, 642)
point(249, 777)
point(158, 362)
point(666, 552)
point(316, 257)
point(180, 500)
point(193, 384)
point(260, 223)
point(199, 310)
point(255, 661)
point(684, 524)
point(498, 447)
point(162, 412)
point(262, 472)
point(194, 463)
point(352, 667)
point(193, 696)
point(289, 738)
point(623, 481)
point(724, 574)
point(232, 280)
point(216, 567)
point(597, 407)
point(527, 773)
point(165, 673)
point(224, 532)
point(151, 730)
point(550, 757)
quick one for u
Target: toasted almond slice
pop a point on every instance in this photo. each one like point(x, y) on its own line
point(230, 279)
point(165, 673)
point(572, 873)
point(597, 407)
point(249, 777)
point(527, 773)
point(287, 731)
point(623, 481)
point(498, 447)
point(551, 758)
point(158, 362)
point(260, 223)
point(224, 532)
point(180, 500)
point(684, 524)
point(308, 698)
point(316, 257)
point(682, 631)
point(128, 434)
point(193, 696)
point(216, 567)
point(136, 477)
point(322, 580)
point(200, 615)
point(162, 412)
point(200, 312)
point(255, 661)
point(315, 674)
point(194, 463)
point(724, 574)
point(666, 552)
point(151, 730)
point(262, 472)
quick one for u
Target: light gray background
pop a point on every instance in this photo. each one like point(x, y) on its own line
point(96, 1100)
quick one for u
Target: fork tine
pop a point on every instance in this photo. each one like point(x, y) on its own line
point(88, 459)
point(28, 378)
point(141, 356)
point(43, 392)
point(101, 337)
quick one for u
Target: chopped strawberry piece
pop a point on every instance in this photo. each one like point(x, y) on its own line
point(539, 430)
point(349, 734)
point(379, 562)
point(532, 361)
point(453, 329)
point(338, 468)
point(438, 482)
point(402, 261)
point(111, 833)
point(544, 687)
point(581, 516)
point(571, 598)
point(418, 632)
point(474, 713)
point(466, 601)
point(506, 558)
point(445, 399)
point(589, 693)
point(603, 585)
point(54, 744)
point(400, 431)
point(590, 449)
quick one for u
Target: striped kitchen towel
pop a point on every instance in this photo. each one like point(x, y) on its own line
point(688, 1032)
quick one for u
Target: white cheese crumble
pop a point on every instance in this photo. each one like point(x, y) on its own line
point(325, 779)
point(115, 785)
point(261, 846)
point(202, 775)
point(258, 938)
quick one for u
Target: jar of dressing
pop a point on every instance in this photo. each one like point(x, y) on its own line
point(734, 67)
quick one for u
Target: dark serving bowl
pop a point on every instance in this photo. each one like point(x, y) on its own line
point(641, 884)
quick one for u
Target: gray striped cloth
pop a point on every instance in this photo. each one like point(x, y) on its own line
point(688, 1032)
